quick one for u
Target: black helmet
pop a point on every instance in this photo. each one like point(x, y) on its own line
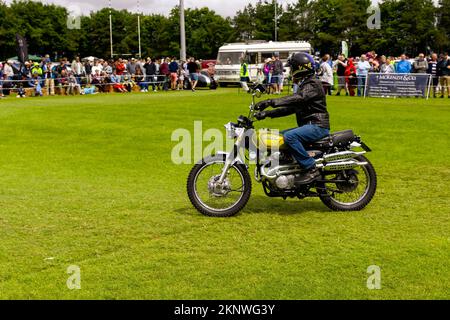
point(302, 65)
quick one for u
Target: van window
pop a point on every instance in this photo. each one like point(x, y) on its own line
point(229, 58)
point(284, 55)
point(252, 58)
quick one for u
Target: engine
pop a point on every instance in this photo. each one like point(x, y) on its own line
point(281, 171)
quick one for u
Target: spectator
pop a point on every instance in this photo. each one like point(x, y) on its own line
point(403, 66)
point(98, 80)
point(277, 73)
point(361, 71)
point(98, 66)
point(326, 74)
point(420, 65)
point(108, 68)
point(192, 67)
point(351, 77)
point(62, 79)
point(341, 66)
point(77, 69)
point(386, 66)
point(244, 75)
point(139, 78)
point(8, 70)
point(36, 84)
point(72, 84)
point(88, 71)
point(165, 73)
point(132, 66)
point(128, 82)
point(150, 73)
point(116, 82)
point(443, 70)
point(182, 75)
point(173, 69)
point(120, 68)
point(267, 70)
point(49, 78)
point(432, 70)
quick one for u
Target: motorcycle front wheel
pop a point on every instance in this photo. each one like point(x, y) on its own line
point(210, 197)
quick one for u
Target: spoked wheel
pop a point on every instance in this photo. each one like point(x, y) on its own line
point(350, 190)
point(216, 199)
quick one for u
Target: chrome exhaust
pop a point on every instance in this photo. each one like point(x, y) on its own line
point(345, 155)
point(342, 165)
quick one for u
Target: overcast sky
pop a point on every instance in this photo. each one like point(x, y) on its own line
point(222, 7)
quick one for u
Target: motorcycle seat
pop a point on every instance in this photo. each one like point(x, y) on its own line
point(340, 138)
point(343, 138)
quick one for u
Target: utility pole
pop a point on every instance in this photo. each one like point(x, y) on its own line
point(110, 31)
point(275, 2)
point(139, 29)
point(182, 33)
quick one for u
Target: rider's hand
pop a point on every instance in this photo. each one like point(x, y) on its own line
point(261, 115)
point(263, 105)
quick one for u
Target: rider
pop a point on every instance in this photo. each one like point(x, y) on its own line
point(309, 104)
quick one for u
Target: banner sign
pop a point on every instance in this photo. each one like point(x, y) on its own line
point(22, 48)
point(389, 85)
point(344, 50)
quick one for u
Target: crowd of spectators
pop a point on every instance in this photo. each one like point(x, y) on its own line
point(92, 75)
point(351, 74)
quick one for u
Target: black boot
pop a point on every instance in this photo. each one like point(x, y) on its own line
point(309, 176)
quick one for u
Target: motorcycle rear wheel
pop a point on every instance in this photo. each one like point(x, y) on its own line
point(213, 203)
point(339, 197)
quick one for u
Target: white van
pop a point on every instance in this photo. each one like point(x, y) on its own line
point(228, 60)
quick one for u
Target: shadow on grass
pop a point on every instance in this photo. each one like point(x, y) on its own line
point(259, 204)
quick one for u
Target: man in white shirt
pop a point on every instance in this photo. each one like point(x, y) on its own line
point(362, 70)
point(326, 74)
point(8, 70)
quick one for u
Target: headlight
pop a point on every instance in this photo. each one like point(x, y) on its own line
point(231, 130)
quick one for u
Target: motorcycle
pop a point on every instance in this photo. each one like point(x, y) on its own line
point(220, 185)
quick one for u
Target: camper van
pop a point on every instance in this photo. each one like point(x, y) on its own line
point(255, 53)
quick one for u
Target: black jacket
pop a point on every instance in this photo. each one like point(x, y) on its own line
point(150, 69)
point(309, 105)
point(442, 68)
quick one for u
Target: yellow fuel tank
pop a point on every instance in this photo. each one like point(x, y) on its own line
point(271, 139)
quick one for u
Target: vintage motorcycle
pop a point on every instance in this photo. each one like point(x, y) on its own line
point(220, 185)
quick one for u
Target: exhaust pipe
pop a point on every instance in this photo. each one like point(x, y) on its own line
point(343, 165)
point(345, 155)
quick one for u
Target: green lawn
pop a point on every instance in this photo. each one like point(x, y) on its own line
point(89, 181)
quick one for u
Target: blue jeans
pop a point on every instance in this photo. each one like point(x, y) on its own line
point(361, 85)
point(295, 138)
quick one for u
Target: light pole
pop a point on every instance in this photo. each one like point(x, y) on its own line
point(182, 33)
point(275, 2)
point(110, 31)
point(139, 30)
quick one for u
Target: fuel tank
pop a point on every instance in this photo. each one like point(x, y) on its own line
point(269, 139)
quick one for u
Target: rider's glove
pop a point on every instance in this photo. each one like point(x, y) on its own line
point(261, 115)
point(263, 105)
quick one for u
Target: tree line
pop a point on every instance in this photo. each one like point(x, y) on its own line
point(410, 26)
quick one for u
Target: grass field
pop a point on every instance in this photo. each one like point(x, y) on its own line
point(89, 181)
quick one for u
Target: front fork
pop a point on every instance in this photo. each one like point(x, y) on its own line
point(232, 157)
